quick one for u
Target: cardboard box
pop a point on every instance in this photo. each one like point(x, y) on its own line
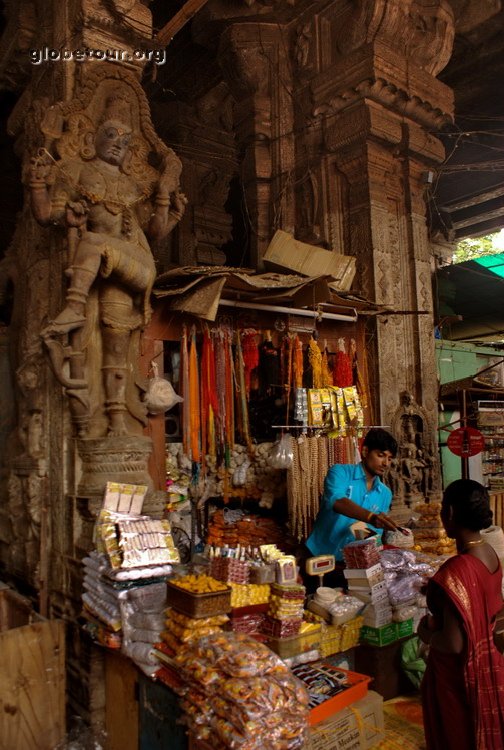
point(381, 636)
point(376, 593)
point(404, 628)
point(330, 688)
point(364, 577)
point(358, 727)
point(284, 253)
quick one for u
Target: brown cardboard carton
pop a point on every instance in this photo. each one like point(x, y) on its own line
point(358, 727)
point(284, 253)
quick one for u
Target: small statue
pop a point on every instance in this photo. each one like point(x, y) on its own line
point(109, 197)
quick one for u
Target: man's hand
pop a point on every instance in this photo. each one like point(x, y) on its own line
point(382, 521)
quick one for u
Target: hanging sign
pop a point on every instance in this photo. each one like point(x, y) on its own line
point(466, 441)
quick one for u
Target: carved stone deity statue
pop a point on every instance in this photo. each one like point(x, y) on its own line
point(414, 475)
point(95, 177)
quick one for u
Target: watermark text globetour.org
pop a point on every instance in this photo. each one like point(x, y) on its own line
point(51, 54)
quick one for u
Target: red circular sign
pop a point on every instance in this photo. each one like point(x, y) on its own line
point(466, 441)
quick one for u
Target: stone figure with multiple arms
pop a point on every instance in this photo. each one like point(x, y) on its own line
point(105, 192)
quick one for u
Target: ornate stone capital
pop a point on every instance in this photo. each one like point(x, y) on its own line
point(375, 72)
point(422, 31)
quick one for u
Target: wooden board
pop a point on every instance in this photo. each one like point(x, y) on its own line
point(32, 686)
point(121, 707)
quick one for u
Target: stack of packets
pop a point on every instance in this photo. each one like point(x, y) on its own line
point(143, 617)
point(233, 528)
point(179, 629)
point(366, 582)
point(285, 612)
point(429, 532)
point(129, 539)
point(101, 602)
point(239, 694)
point(333, 409)
point(205, 618)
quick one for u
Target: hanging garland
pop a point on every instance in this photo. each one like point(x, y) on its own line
point(315, 360)
point(298, 362)
point(343, 376)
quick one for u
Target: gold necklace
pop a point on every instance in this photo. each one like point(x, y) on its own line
point(473, 543)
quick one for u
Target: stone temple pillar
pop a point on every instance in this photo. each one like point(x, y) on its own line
point(74, 338)
point(350, 163)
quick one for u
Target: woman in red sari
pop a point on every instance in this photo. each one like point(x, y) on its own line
point(463, 686)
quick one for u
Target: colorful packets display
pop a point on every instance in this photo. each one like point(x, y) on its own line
point(239, 694)
point(135, 541)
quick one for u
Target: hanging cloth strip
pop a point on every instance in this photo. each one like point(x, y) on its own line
point(241, 396)
point(289, 344)
point(269, 367)
point(360, 374)
point(250, 352)
point(315, 360)
point(186, 404)
point(229, 431)
point(343, 376)
point(194, 396)
point(209, 402)
point(220, 380)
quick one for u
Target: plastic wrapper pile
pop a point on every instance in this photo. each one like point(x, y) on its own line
point(239, 695)
point(107, 591)
point(405, 576)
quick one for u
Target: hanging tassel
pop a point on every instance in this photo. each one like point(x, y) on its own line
point(342, 376)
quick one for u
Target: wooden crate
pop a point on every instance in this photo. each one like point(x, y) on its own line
point(32, 677)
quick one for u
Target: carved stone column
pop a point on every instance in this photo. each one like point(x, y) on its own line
point(203, 132)
point(254, 64)
point(374, 99)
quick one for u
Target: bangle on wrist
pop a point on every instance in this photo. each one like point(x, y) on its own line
point(370, 516)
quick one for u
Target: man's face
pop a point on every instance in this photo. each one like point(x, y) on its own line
point(376, 462)
point(112, 142)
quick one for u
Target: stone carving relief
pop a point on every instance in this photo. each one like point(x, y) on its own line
point(94, 177)
point(414, 475)
point(422, 30)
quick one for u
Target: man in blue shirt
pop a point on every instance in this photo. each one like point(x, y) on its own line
point(354, 492)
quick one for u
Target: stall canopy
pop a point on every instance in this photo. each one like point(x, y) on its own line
point(199, 290)
point(470, 300)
